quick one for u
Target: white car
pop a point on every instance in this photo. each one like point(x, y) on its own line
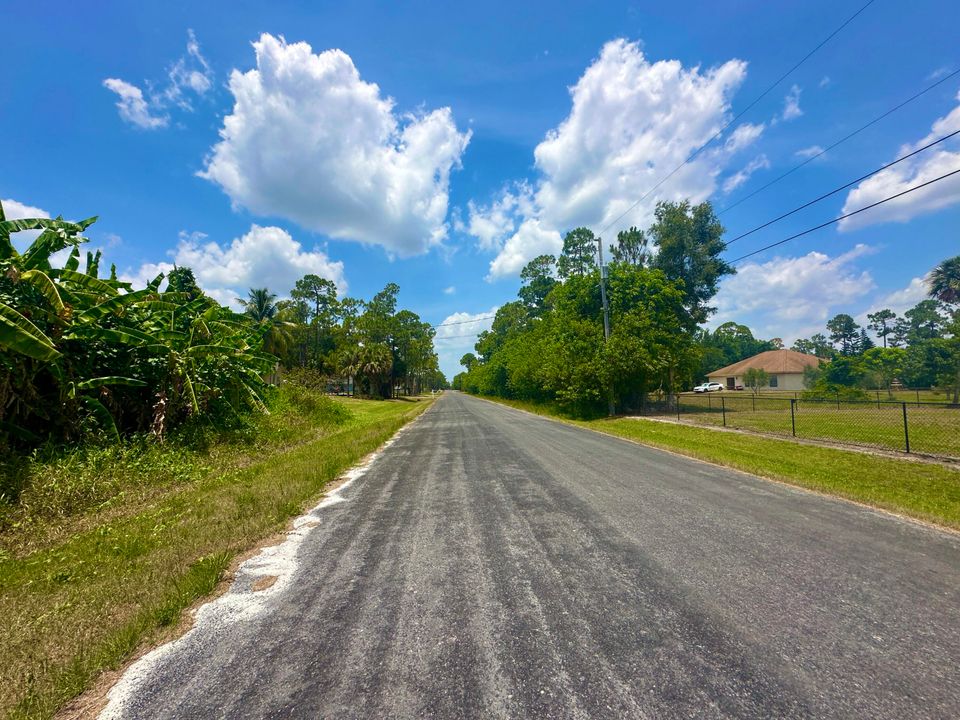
point(708, 387)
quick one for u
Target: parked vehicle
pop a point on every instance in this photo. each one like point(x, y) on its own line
point(708, 387)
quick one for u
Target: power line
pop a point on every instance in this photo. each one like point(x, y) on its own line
point(720, 132)
point(842, 187)
point(461, 322)
point(454, 337)
point(843, 217)
point(840, 141)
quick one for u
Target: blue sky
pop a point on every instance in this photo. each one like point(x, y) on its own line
point(442, 145)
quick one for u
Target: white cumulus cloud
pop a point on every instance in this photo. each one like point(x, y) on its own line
point(791, 297)
point(791, 104)
point(631, 123)
point(310, 141)
point(927, 166)
point(14, 210)
point(809, 152)
point(263, 257)
point(457, 334)
point(133, 107)
point(149, 111)
point(900, 300)
point(531, 239)
point(741, 176)
point(492, 224)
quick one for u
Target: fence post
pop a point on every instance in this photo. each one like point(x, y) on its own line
point(906, 431)
point(838, 399)
point(793, 418)
point(678, 407)
point(878, 399)
point(723, 409)
point(918, 397)
point(753, 400)
point(709, 402)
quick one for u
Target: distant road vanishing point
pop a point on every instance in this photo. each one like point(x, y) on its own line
point(493, 564)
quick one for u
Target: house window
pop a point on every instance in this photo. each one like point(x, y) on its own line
point(773, 381)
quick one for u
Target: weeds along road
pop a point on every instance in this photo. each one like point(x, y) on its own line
point(495, 564)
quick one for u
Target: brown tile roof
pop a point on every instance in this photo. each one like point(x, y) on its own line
point(773, 361)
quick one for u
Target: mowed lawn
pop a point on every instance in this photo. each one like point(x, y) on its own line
point(80, 592)
point(931, 428)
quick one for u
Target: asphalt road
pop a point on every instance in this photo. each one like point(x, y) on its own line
point(493, 564)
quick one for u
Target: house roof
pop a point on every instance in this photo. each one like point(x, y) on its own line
point(773, 361)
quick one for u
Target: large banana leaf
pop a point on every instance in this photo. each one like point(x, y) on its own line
point(73, 262)
point(44, 284)
point(83, 281)
point(112, 305)
point(110, 380)
point(93, 264)
point(20, 335)
point(103, 416)
point(125, 336)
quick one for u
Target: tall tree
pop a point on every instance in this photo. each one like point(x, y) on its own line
point(320, 295)
point(926, 322)
point(899, 332)
point(579, 253)
point(818, 345)
point(631, 247)
point(260, 304)
point(538, 281)
point(881, 322)
point(181, 280)
point(944, 281)
point(844, 333)
point(688, 249)
point(276, 324)
point(468, 360)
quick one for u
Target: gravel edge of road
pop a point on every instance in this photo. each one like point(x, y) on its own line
point(95, 700)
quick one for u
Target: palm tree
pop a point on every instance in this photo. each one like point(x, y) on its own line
point(261, 304)
point(944, 281)
point(276, 323)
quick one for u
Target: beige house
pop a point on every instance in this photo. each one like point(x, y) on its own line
point(785, 368)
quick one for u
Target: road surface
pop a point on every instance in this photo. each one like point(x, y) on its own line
point(493, 564)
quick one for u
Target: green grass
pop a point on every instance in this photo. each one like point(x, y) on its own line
point(924, 491)
point(934, 429)
point(91, 570)
point(909, 396)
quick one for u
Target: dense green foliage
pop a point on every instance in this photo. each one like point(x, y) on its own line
point(729, 343)
point(371, 347)
point(83, 356)
point(920, 349)
point(549, 344)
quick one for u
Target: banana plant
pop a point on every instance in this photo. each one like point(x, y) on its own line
point(73, 342)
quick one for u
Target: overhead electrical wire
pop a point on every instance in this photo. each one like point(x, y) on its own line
point(720, 132)
point(839, 142)
point(843, 217)
point(461, 322)
point(842, 187)
point(454, 337)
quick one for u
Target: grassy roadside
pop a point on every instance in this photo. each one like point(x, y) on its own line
point(79, 591)
point(924, 491)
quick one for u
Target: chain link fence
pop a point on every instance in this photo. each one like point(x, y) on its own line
point(929, 428)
